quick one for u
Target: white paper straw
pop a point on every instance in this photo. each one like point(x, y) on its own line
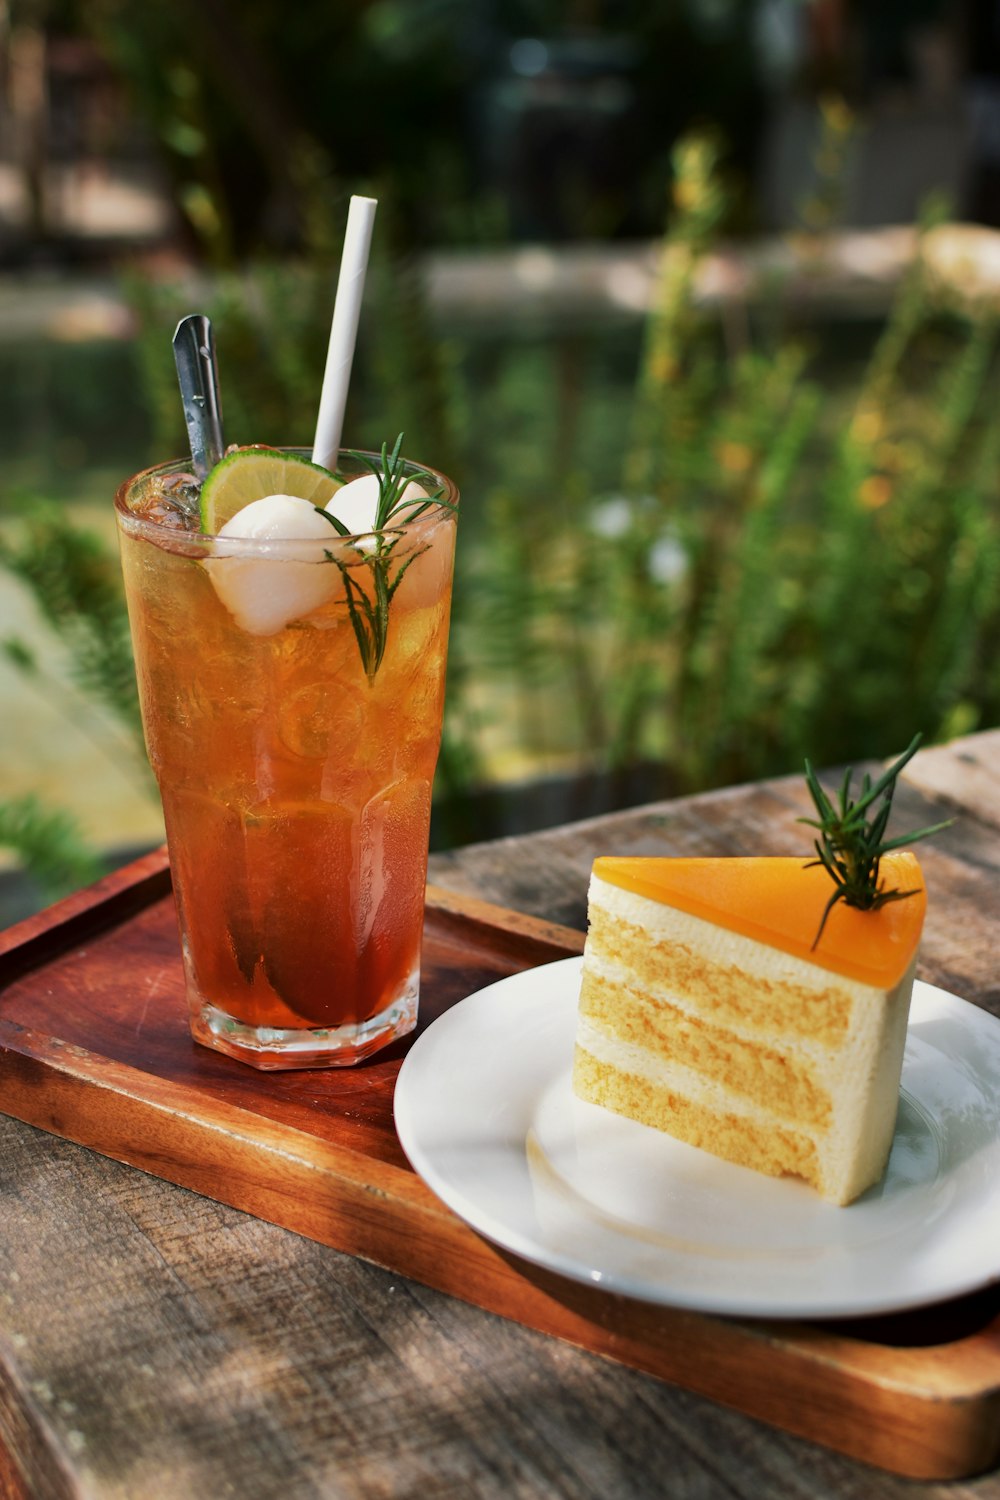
point(343, 330)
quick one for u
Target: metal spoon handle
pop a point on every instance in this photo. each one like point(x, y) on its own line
point(198, 375)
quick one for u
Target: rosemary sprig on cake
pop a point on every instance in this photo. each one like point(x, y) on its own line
point(852, 839)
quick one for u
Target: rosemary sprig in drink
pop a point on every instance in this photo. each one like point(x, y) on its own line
point(851, 843)
point(369, 613)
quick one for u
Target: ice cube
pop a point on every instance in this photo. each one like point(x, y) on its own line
point(322, 720)
point(265, 594)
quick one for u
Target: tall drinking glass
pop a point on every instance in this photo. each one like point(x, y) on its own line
point(294, 763)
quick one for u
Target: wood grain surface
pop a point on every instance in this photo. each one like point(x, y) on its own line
point(155, 1343)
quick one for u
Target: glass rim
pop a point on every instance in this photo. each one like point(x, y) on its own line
point(197, 542)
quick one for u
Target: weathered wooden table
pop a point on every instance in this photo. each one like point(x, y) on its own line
point(156, 1343)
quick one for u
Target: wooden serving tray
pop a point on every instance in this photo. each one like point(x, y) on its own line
point(94, 1047)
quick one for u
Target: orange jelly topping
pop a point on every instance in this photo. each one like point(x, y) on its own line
point(780, 902)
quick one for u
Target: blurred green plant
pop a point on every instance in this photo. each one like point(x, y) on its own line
point(788, 569)
point(75, 583)
point(48, 845)
point(253, 107)
point(792, 562)
point(76, 587)
point(261, 114)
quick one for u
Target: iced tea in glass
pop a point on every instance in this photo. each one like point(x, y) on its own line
point(296, 781)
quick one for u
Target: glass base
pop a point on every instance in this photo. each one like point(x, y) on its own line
point(273, 1048)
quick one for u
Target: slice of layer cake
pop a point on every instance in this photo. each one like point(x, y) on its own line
point(706, 1011)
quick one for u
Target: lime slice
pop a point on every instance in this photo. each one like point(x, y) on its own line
point(252, 473)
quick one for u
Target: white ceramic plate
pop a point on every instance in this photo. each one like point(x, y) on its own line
point(486, 1114)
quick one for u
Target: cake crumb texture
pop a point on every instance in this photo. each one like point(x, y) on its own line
point(773, 1149)
point(737, 997)
point(762, 1075)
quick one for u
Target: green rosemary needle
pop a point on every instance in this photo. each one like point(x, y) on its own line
point(852, 837)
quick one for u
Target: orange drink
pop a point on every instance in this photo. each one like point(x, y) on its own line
point(295, 751)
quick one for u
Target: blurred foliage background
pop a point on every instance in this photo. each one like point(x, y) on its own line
point(475, 121)
point(707, 532)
